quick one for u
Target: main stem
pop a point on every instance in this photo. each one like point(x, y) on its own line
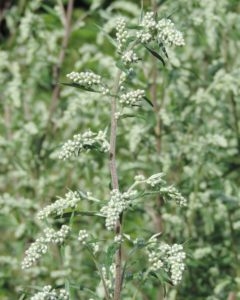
point(114, 179)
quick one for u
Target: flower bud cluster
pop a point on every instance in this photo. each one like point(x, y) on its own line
point(117, 115)
point(176, 259)
point(148, 21)
point(167, 192)
point(104, 90)
point(121, 34)
point(87, 79)
point(163, 31)
point(116, 205)
point(168, 34)
point(129, 57)
point(167, 258)
point(171, 193)
point(48, 293)
point(132, 98)
point(107, 280)
point(56, 237)
point(40, 246)
point(118, 239)
point(83, 236)
point(84, 141)
point(95, 248)
point(71, 200)
point(34, 253)
point(154, 260)
point(149, 26)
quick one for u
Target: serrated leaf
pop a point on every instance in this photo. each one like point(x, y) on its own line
point(79, 86)
point(155, 54)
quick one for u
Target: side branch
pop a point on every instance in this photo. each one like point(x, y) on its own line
point(57, 68)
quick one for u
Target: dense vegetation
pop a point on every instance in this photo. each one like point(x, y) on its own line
point(190, 132)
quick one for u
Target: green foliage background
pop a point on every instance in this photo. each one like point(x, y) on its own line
point(193, 135)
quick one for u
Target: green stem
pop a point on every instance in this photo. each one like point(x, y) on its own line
point(100, 273)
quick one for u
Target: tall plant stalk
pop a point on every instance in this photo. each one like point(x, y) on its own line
point(115, 185)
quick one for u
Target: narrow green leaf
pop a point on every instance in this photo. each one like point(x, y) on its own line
point(50, 10)
point(110, 254)
point(79, 86)
point(111, 40)
point(124, 116)
point(121, 66)
point(163, 49)
point(155, 54)
point(148, 101)
point(68, 214)
point(133, 26)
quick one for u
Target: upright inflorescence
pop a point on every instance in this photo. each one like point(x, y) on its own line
point(170, 259)
point(121, 34)
point(148, 25)
point(117, 204)
point(86, 141)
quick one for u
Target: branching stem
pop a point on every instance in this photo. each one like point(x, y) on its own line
point(114, 179)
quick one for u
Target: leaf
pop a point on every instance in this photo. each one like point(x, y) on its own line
point(111, 40)
point(133, 26)
point(110, 253)
point(50, 10)
point(148, 101)
point(79, 86)
point(124, 116)
point(68, 214)
point(121, 66)
point(163, 49)
point(155, 54)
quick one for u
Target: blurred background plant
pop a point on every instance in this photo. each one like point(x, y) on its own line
point(194, 131)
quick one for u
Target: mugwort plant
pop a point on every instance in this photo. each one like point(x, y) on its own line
point(113, 252)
